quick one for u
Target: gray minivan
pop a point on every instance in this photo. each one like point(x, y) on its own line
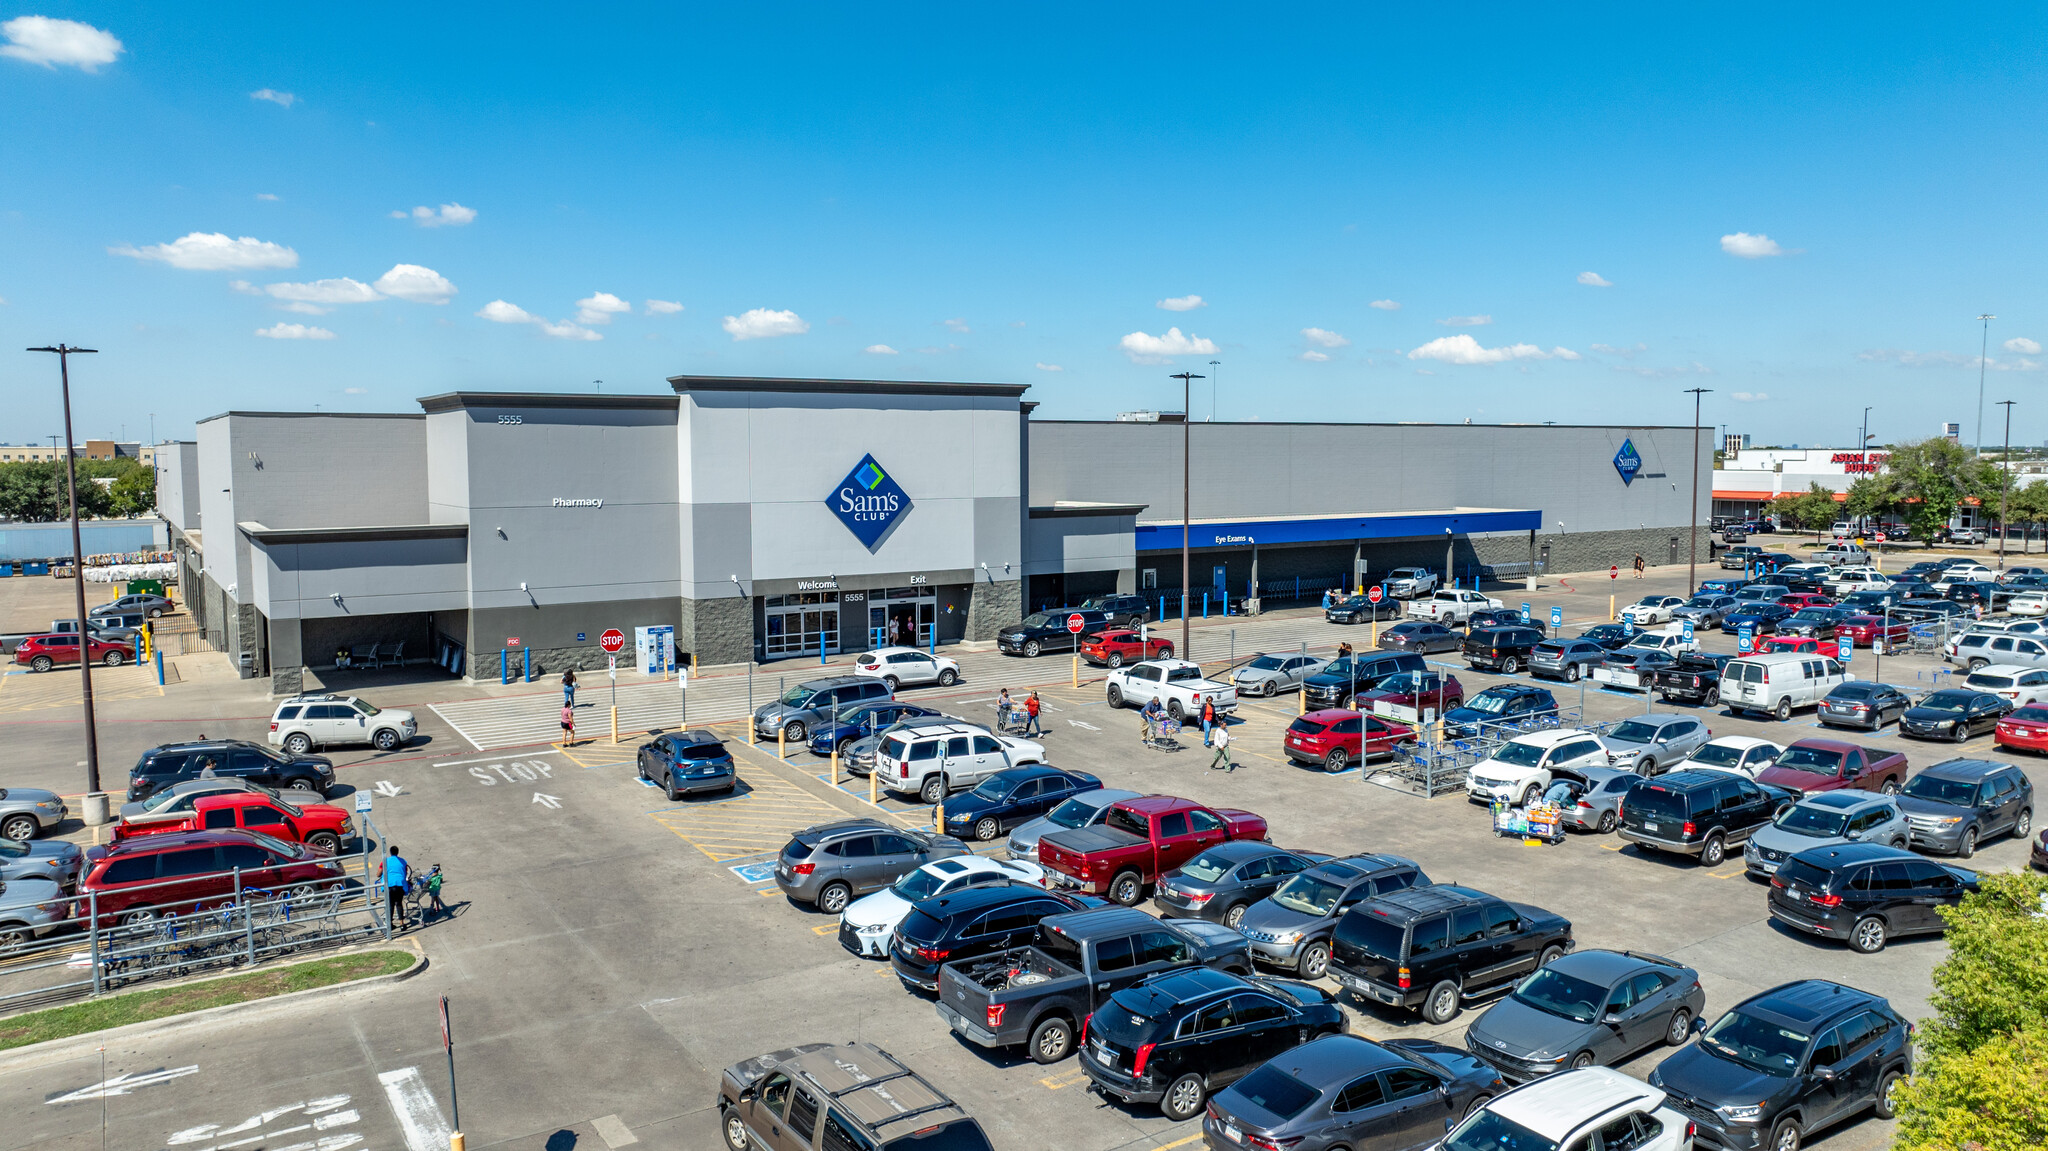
point(813, 702)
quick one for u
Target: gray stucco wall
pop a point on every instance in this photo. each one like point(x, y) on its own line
point(1069, 543)
point(373, 577)
point(177, 484)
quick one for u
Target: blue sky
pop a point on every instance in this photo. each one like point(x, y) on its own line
point(1804, 213)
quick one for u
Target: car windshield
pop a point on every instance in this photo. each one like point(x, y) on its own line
point(1755, 1044)
point(1264, 663)
point(919, 884)
point(1819, 761)
point(2035, 714)
point(288, 850)
point(1490, 1131)
point(1947, 701)
point(1651, 601)
point(1718, 755)
point(12, 850)
point(1308, 895)
point(853, 714)
point(1708, 601)
point(1489, 702)
point(1813, 821)
point(1561, 994)
point(1987, 680)
point(1037, 619)
point(797, 696)
point(1072, 813)
point(1518, 754)
point(1341, 666)
point(1206, 868)
point(1635, 731)
point(1938, 790)
point(163, 799)
point(991, 789)
point(364, 705)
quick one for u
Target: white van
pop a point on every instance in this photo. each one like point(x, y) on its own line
point(1779, 681)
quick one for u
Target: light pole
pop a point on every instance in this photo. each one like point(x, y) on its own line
point(2004, 480)
point(1187, 381)
point(1214, 375)
point(64, 352)
point(1983, 350)
point(1693, 536)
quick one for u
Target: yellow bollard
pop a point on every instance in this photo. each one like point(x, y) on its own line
point(1303, 696)
point(750, 733)
point(1077, 671)
point(875, 783)
point(1610, 609)
point(939, 814)
point(835, 766)
point(615, 725)
point(781, 750)
point(1375, 626)
point(456, 1142)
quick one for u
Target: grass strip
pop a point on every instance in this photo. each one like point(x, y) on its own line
point(140, 1006)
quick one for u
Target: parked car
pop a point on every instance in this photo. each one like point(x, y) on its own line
point(688, 763)
point(31, 906)
point(2025, 729)
point(1777, 682)
point(1705, 609)
point(1502, 649)
point(858, 756)
point(1503, 617)
point(1589, 1008)
point(868, 1098)
point(1634, 668)
point(857, 721)
point(1360, 609)
point(1744, 755)
point(43, 652)
point(1589, 798)
point(1452, 607)
point(1409, 583)
point(1823, 820)
point(831, 863)
point(1583, 1109)
point(137, 880)
point(929, 762)
point(1348, 1091)
point(1804, 577)
point(1697, 813)
point(897, 666)
point(1650, 744)
point(1519, 770)
point(1842, 582)
point(1045, 631)
point(54, 860)
point(1137, 842)
point(1982, 649)
point(1125, 609)
point(1873, 630)
point(2015, 574)
point(2032, 602)
point(1727, 586)
point(1348, 675)
point(1866, 894)
point(1956, 805)
point(303, 722)
point(1611, 636)
point(868, 923)
point(1432, 948)
point(978, 920)
point(1784, 1065)
point(1693, 677)
point(149, 605)
point(1804, 644)
point(1759, 618)
point(1270, 675)
point(1864, 705)
point(1417, 636)
point(1219, 884)
point(1011, 797)
point(813, 702)
point(1291, 928)
point(1954, 713)
point(1652, 610)
point(1819, 621)
point(1173, 1039)
point(320, 825)
point(1740, 556)
point(1334, 738)
point(1502, 707)
point(1566, 659)
point(1116, 647)
point(1810, 765)
point(1178, 685)
point(1083, 809)
point(170, 763)
point(28, 812)
point(1421, 690)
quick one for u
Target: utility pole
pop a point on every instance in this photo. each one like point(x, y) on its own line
point(64, 353)
point(1983, 350)
point(1693, 536)
point(2004, 480)
point(1187, 380)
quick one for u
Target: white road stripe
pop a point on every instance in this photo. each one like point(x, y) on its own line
point(419, 1117)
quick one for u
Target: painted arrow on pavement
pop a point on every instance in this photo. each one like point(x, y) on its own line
point(123, 1083)
point(547, 801)
point(387, 789)
point(1078, 723)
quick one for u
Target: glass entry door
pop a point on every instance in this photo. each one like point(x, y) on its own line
point(903, 616)
point(797, 624)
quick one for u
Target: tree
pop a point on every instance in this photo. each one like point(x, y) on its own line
point(1873, 495)
point(31, 491)
point(135, 493)
point(1939, 474)
point(1813, 509)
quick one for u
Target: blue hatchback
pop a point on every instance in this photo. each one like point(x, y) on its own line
point(1503, 703)
point(687, 762)
point(1011, 797)
point(859, 721)
point(1762, 618)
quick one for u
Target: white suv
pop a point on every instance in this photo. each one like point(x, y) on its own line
point(901, 665)
point(928, 762)
point(1581, 1110)
point(305, 722)
point(1519, 770)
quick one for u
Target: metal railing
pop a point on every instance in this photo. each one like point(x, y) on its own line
point(1432, 768)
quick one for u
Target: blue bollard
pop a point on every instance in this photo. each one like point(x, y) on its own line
point(821, 648)
point(526, 656)
point(504, 666)
point(1205, 605)
point(159, 667)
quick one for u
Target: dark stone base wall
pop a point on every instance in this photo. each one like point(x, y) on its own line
point(1590, 551)
point(717, 631)
point(993, 606)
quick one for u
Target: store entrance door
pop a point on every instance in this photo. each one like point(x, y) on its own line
point(903, 616)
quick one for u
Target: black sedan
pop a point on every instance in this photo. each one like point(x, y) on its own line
point(1346, 1091)
point(1818, 622)
point(1862, 704)
point(1981, 595)
point(687, 762)
point(1930, 609)
point(1358, 609)
point(1220, 883)
point(1954, 713)
point(1013, 796)
point(1503, 617)
point(1612, 636)
point(1421, 637)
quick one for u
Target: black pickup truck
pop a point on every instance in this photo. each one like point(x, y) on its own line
point(1694, 678)
point(1037, 996)
point(1434, 948)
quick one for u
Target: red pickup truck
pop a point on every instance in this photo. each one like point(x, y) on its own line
point(1137, 842)
point(1811, 765)
point(320, 825)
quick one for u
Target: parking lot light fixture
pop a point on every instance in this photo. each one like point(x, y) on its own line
point(2004, 481)
point(1692, 578)
point(1187, 380)
point(64, 352)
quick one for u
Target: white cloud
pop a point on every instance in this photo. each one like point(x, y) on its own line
point(764, 324)
point(1045, 367)
point(568, 331)
point(1386, 305)
point(1323, 338)
point(266, 195)
point(294, 332)
point(336, 291)
point(449, 214)
point(214, 252)
point(1183, 303)
point(663, 307)
point(1595, 280)
point(41, 40)
point(1749, 397)
point(355, 391)
point(1315, 357)
point(1465, 321)
point(958, 325)
point(1625, 353)
point(304, 309)
point(881, 350)
point(282, 99)
point(412, 282)
point(2023, 345)
point(599, 308)
point(1912, 359)
point(501, 312)
point(244, 287)
point(1149, 349)
point(1463, 349)
point(1750, 247)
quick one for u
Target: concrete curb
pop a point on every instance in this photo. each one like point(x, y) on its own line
point(59, 1050)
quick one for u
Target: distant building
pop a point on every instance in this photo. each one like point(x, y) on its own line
point(89, 450)
point(1746, 481)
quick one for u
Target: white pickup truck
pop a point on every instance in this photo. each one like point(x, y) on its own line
point(1451, 608)
point(1407, 583)
point(1177, 685)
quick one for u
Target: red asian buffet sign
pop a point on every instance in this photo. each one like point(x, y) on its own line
point(1856, 463)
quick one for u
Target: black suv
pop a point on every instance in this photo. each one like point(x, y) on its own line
point(1122, 610)
point(1501, 649)
point(1048, 631)
point(1693, 678)
point(1787, 1063)
point(1955, 805)
point(1347, 676)
point(160, 767)
point(1699, 813)
point(1434, 947)
point(1174, 1038)
point(1866, 893)
point(971, 923)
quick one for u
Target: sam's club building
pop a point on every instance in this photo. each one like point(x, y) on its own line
point(772, 518)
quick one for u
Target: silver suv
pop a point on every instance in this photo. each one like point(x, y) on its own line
point(813, 702)
point(1566, 658)
point(828, 865)
point(304, 722)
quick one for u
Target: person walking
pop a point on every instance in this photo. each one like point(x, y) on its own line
point(1031, 708)
point(569, 688)
point(434, 905)
point(1222, 745)
point(1003, 706)
point(1208, 718)
point(1639, 565)
point(568, 725)
point(1343, 651)
point(395, 871)
point(1150, 714)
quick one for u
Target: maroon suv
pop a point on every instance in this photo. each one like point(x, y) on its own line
point(137, 879)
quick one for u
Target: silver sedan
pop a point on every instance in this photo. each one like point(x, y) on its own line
point(51, 859)
point(1650, 744)
point(26, 812)
point(1273, 674)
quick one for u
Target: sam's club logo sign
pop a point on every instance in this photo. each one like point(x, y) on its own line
point(867, 501)
point(1627, 462)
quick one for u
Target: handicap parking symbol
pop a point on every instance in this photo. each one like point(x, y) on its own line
point(754, 872)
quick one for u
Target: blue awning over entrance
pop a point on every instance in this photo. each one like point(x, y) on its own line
point(1227, 533)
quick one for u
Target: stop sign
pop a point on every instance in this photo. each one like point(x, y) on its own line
point(612, 640)
point(1373, 594)
point(1880, 537)
point(1074, 623)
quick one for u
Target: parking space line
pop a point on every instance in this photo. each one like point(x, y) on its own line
point(1063, 1079)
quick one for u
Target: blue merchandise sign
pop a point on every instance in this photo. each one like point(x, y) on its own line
point(1686, 631)
point(1745, 639)
point(1556, 617)
point(1525, 613)
point(1843, 646)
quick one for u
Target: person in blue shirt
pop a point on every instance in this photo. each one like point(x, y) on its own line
point(395, 872)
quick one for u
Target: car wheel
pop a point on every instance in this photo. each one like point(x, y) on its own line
point(1713, 851)
point(1234, 916)
point(1891, 787)
point(155, 613)
point(1679, 1029)
point(948, 677)
point(1884, 1108)
point(1315, 959)
point(797, 733)
point(40, 663)
point(892, 682)
point(111, 659)
point(13, 935)
point(1510, 666)
point(1712, 698)
point(385, 740)
point(1608, 822)
point(20, 828)
point(736, 1136)
point(1646, 766)
point(1551, 954)
point(1174, 710)
point(1572, 673)
point(1184, 1098)
point(1052, 1040)
point(1529, 795)
point(1784, 709)
point(297, 743)
point(833, 899)
point(137, 916)
point(1336, 761)
point(325, 840)
point(1442, 1005)
point(668, 788)
point(1868, 936)
point(845, 748)
point(2023, 824)
point(987, 828)
point(1116, 696)
point(1032, 648)
point(1166, 652)
point(934, 788)
point(1967, 845)
point(1115, 660)
point(1126, 889)
point(1582, 1060)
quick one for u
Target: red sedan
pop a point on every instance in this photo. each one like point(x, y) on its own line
point(1423, 690)
point(43, 652)
point(1119, 647)
point(1803, 643)
point(1866, 629)
point(1335, 738)
point(2026, 729)
point(1801, 600)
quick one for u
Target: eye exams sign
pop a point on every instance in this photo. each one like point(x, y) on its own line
point(867, 501)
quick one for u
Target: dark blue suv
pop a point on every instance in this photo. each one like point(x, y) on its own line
point(859, 721)
point(687, 762)
point(1503, 703)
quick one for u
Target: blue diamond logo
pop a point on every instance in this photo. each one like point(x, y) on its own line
point(1627, 462)
point(868, 502)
